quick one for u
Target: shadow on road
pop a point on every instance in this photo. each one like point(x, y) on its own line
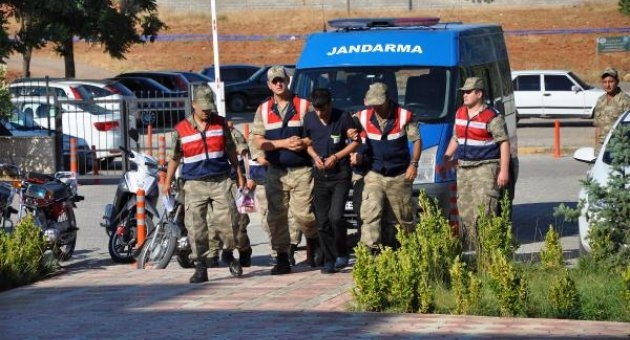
point(531, 221)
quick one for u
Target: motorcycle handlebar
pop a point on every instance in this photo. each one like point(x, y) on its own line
point(128, 153)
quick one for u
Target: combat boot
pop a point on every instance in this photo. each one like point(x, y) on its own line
point(245, 257)
point(282, 265)
point(233, 264)
point(201, 272)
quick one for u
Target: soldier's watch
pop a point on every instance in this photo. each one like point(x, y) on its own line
point(414, 163)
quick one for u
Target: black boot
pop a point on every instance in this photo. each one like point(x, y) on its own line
point(282, 266)
point(233, 264)
point(201, 272)
point(245, 257)
point(292, 251)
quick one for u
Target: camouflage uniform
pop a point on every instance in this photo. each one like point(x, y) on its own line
point(477, 186)
point(295, 233)
point(607, 111)
point(239, 221)
point(381, 192)
point(286, 189)
point(209, 206)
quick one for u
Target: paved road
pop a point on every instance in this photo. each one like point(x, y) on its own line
point(98, 299)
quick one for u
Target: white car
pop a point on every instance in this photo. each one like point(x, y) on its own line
point(96, 125)
point(106, 93)
point(599, 173)
point(553, 94)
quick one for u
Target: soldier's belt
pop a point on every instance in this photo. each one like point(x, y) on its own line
point(213, 178)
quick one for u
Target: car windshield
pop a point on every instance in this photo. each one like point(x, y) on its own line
point(425, 91)
point(579, 80)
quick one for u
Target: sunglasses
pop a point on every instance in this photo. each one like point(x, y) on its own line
point(277, 80)
point(468, 91)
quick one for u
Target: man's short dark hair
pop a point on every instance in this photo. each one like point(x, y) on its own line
point(321, 97)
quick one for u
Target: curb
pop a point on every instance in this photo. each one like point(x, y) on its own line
point(539, 150)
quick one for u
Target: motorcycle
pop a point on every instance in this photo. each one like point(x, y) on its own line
point(169, 237)
point(119, 218)
point(10, 182)
point(51, 201)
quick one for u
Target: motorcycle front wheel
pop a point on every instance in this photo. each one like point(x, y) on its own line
point(65, 250)
point(158, 248)
point(122, 242)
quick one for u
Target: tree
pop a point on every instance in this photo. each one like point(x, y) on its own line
point(115, 25)
point(6, 45)
point(624, 7)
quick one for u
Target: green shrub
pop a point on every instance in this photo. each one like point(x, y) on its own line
point(495, 235)
point(564, 297)
point(625, 275)
point(367, 291)
point(21, 254)
point(551, 253)
point(510, 287)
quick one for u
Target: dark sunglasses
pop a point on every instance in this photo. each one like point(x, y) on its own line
point(468, 91)
point(277, 80)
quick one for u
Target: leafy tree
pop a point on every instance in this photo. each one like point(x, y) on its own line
point(609, 204)
point(5, 43)
point(624, 7)
point(116, 25)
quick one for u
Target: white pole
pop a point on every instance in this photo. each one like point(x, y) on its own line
point(218, 84)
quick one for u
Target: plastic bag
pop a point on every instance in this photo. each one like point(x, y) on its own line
point(246, 201)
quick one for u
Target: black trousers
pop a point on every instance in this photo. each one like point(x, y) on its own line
point(329, 198)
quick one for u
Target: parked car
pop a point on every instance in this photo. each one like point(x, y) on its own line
point(156, 104)
point(106, 93)
point(13, 127)
point(553, 94)
point(231, 73)
point(34, 87)
point(173, 80)
point(195, 78)
point(251, 92)
point(599, 173)
point(96, 125)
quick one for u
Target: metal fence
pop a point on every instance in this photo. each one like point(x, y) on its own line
point(99, 126)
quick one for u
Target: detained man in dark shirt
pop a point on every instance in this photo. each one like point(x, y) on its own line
point(333, 137)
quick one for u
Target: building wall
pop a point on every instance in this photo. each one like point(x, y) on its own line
point(29, 153)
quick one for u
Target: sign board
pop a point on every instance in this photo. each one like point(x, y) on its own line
point(613, 44)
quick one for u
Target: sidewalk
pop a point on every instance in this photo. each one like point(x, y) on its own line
point(99, 300)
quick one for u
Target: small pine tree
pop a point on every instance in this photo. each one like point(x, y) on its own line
point(609, 205)
point(551, 254)
point(564, 297)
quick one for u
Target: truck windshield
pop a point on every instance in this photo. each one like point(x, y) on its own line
point(425, 91)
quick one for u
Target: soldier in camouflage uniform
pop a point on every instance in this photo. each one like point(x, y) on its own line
point(609, 106)
point(240, 221)
point(256, 179)
point(388, 129)
point(278, 131)
point(481, 148)
point(202, 143)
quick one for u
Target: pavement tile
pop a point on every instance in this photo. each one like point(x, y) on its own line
point(120, 301)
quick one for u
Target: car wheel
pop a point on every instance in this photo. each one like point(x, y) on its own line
point(237, 103)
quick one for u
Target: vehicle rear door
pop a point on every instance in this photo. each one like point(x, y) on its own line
point(560, 97)
point(528, 95)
